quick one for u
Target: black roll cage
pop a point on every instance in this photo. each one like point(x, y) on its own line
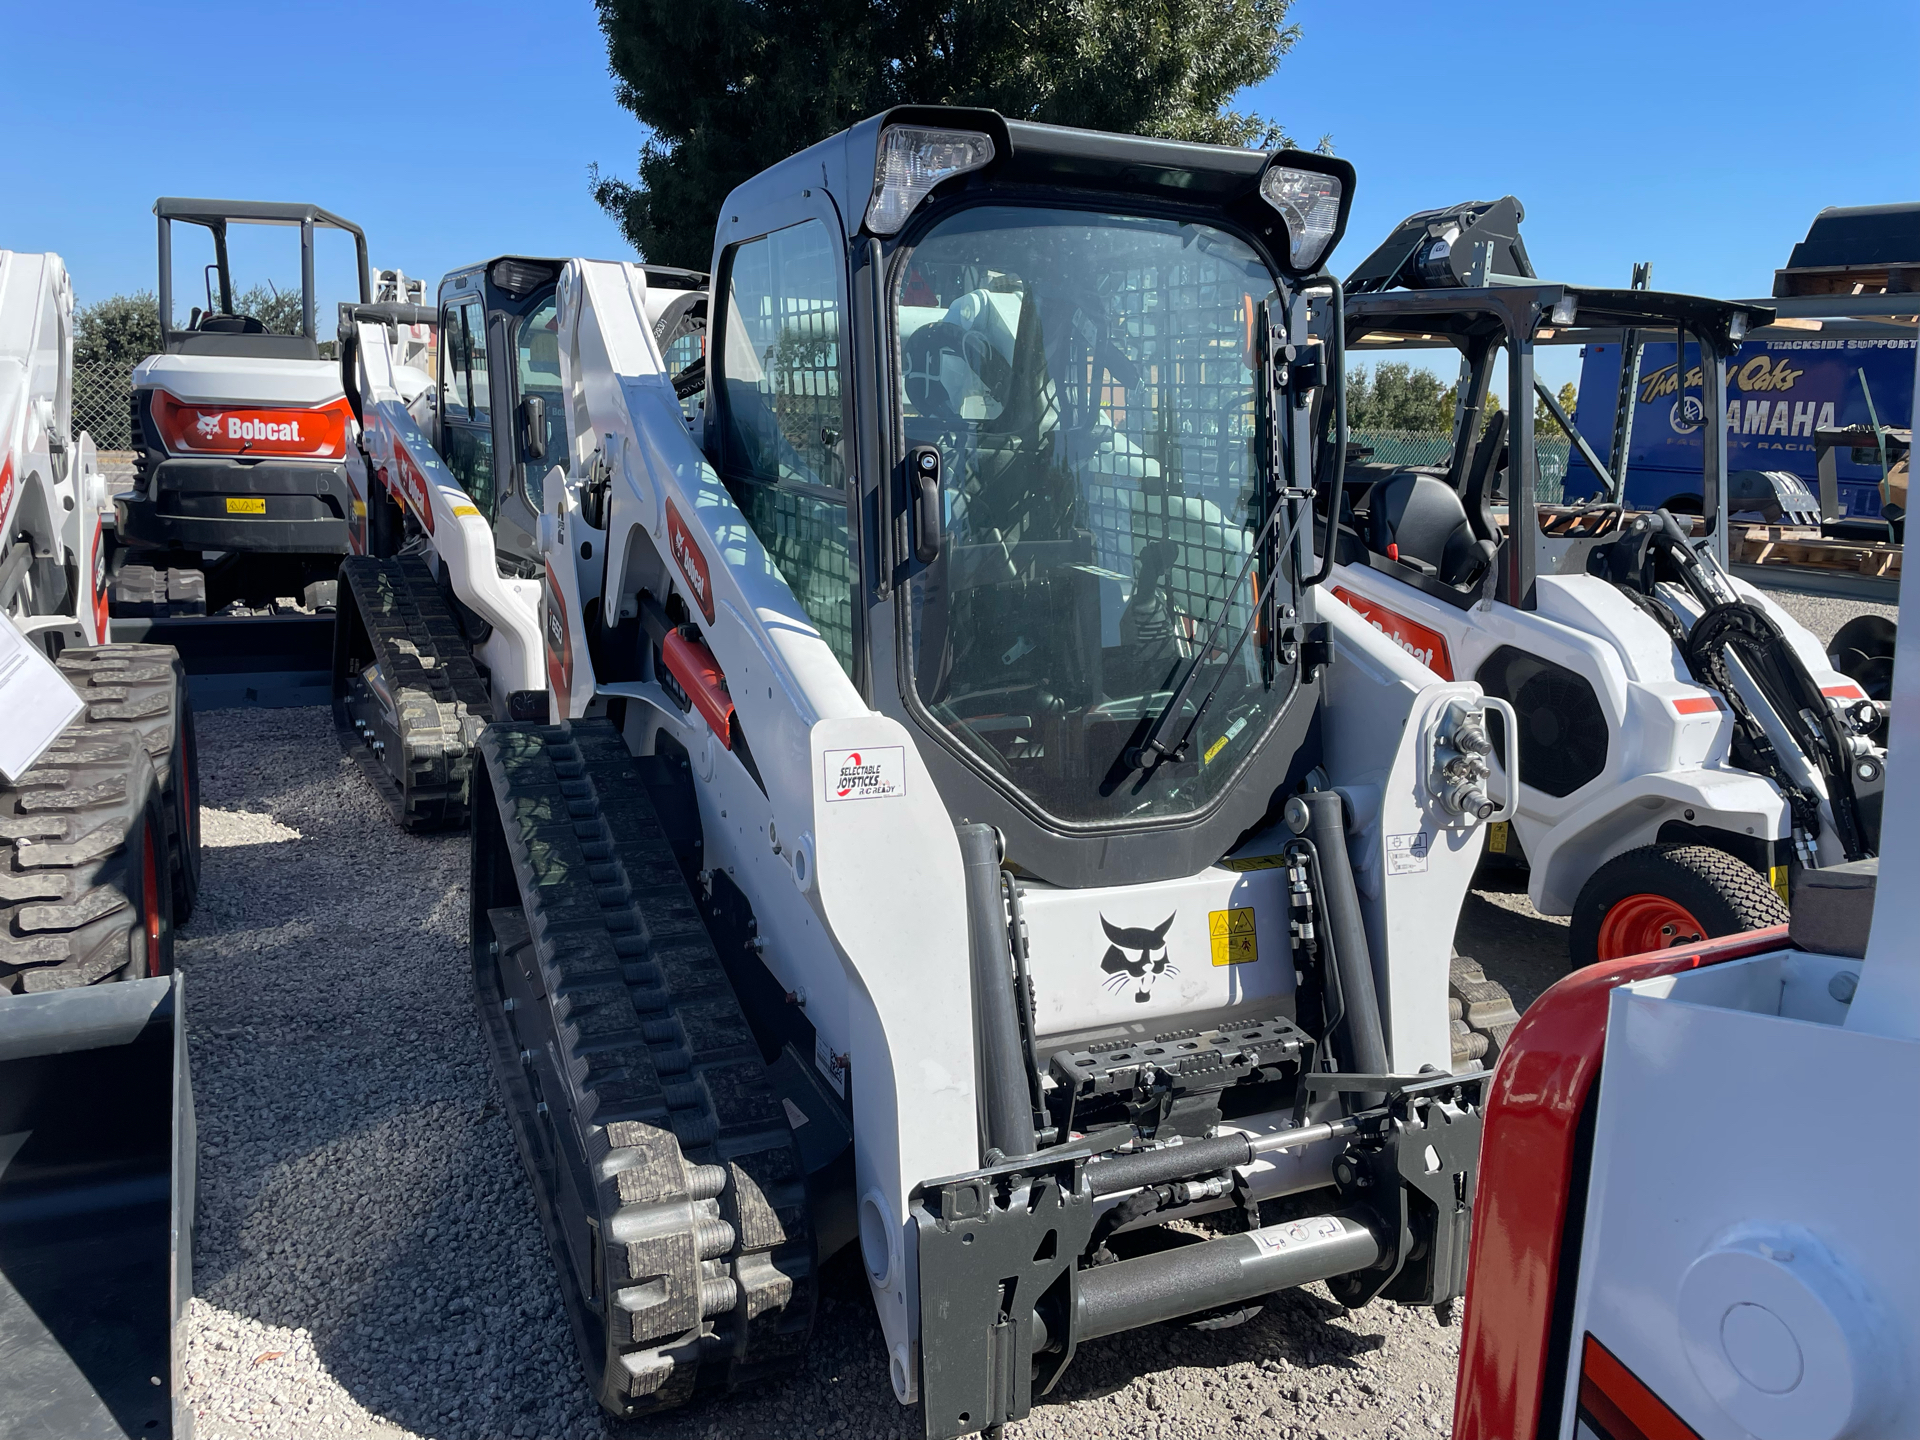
point(216, 215)
point(1478, 321)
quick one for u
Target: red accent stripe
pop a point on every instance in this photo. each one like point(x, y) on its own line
point(1843, 692)
point(1527, 1160)
point(1696, 705)
point(692, 664)
point(1621, 1401)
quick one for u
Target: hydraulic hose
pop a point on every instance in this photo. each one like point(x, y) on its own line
point(1361, 1042)
point(1006, 1111)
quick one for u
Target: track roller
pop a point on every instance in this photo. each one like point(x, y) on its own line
point(666, 1174)
point(408, 702)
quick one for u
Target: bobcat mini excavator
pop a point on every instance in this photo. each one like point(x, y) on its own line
point(99, 857)
point(962, 826)
point(1686, 745)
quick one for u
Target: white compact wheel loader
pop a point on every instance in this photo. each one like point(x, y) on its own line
point(951, 818)
point(1685, 745)
point(1637, 1274)
point(99, 858)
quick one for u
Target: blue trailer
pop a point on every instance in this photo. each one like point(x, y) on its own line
point(1780, 389)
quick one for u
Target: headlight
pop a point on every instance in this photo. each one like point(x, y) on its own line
point(911, 161)
point(1309, 201)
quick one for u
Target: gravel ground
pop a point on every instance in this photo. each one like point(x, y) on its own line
point(368, 1263)
point(1824, 615)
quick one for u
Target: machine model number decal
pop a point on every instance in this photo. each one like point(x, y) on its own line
point(1407, 854)
point(413, 486)
point(1429, 647)
point(876, 774)
point(559, 642)
point(693, 564)
point(1137, 957)
point(1232, 935)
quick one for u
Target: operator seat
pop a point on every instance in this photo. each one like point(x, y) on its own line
point(232, 325)
point(1423, 520)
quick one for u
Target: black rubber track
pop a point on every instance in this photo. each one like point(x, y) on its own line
point(145, 686)
point(393, 616)
point(666, 1174)
point(1480, 1014)
point(1724, 893)
point(76, 895)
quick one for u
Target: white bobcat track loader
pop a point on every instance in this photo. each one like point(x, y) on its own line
point(945, 815)
point(99, 857)
point(441, 627)
point(1685, 744)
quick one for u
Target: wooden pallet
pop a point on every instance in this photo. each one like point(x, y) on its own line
point(1799, 545)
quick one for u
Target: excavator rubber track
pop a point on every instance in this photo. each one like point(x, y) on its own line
point(664, 1165)
point(408, 701)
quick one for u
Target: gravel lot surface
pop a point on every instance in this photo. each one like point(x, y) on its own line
point(368, 1263)
point(1824, 615)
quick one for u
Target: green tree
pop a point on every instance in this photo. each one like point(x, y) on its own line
point(1396, 396)
point(1543, 421)
point(274, 307)
point(728, 87)
point(120, 331)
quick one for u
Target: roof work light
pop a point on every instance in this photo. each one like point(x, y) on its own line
point(911, 161)
point(1310, 201)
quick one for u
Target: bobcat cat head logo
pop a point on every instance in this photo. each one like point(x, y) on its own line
point(1137, 957)
point(207, 426)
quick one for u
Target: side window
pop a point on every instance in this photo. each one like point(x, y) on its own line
point(453, 362)
point(536, 350)
point(784, 419)
point(469, 434)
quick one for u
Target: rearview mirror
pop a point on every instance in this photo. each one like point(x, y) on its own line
point(533, 427)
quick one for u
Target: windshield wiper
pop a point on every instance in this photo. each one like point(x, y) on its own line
point(1156, 747)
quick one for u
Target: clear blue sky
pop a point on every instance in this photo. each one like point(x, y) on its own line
point(1701, 136)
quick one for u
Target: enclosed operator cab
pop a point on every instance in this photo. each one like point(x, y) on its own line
point(498, 419)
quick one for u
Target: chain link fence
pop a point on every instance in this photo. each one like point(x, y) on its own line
point(1435, 447)
point(100, 405)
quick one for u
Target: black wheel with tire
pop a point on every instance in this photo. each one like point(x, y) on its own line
point(1661, 896)
point(84, 892)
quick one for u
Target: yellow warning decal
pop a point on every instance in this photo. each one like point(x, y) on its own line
point(1254, 862)
point(1213, 750)
point(1777, 877)
point(246, 505)
point(1231, 931)
point(359, 509)
point(460, 510)
point(1497, 837)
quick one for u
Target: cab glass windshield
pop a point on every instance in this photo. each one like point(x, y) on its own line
point(1087, 380)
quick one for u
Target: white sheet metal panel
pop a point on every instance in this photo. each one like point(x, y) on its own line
point(1749, 1250)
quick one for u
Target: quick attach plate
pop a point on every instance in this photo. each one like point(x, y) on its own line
point(1145, 1074)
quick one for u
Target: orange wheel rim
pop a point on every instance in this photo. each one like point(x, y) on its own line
point(150, 892)
point(1640, 923)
